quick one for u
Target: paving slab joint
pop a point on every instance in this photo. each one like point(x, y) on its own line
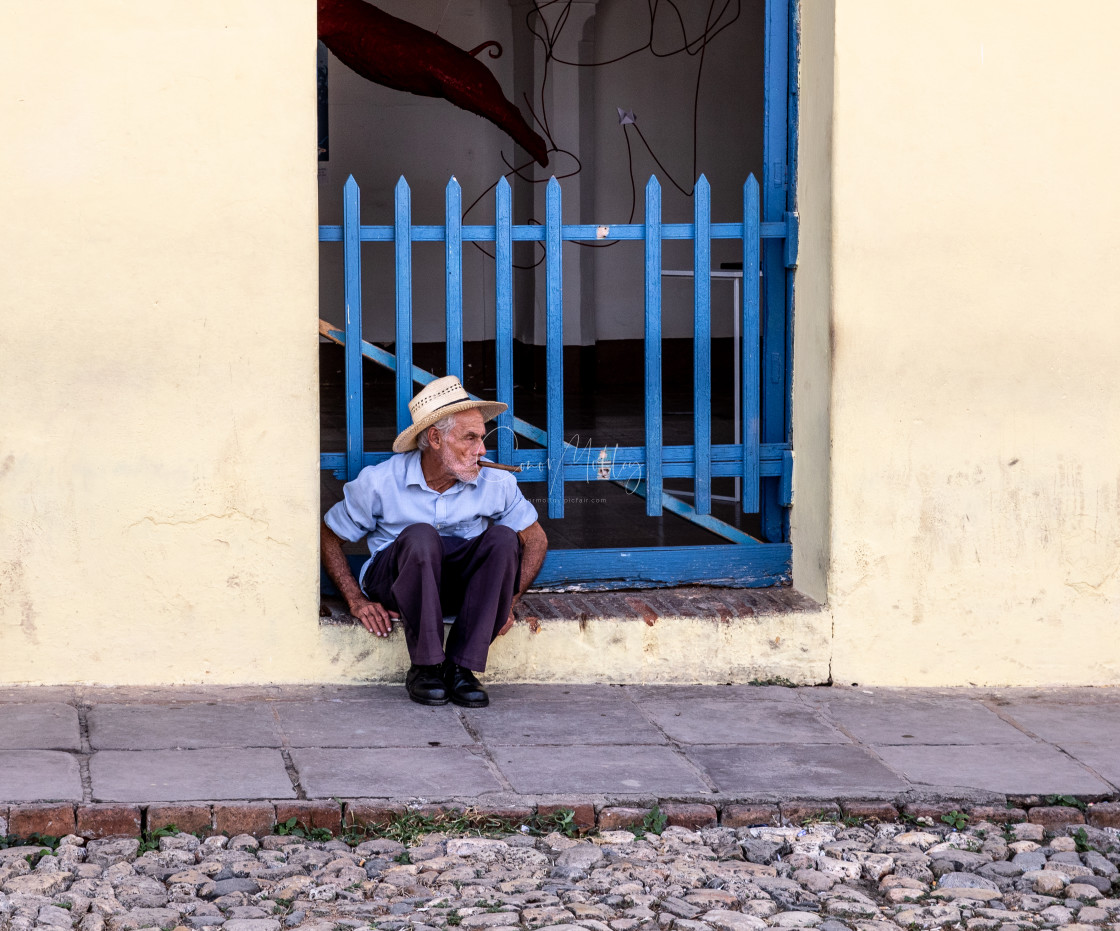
point(86, 753)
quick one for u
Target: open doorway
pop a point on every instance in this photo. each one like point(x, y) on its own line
point(621, 90)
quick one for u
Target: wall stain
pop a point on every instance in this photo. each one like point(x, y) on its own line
point(13, 590)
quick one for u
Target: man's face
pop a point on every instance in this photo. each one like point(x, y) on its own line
point(462, 446)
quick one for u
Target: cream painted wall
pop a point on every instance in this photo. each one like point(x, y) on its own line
point(158, 401)
point(975, 460)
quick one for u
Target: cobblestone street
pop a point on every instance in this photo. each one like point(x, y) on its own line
point(831, 876)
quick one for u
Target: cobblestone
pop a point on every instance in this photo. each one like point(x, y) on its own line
point(823, 876)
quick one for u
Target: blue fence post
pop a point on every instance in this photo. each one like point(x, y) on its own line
point(554, 347)
point(749, 368)
point(402, 242)
point(352, 269)
point(775, 138)
point(653, 348)
point(503, 309)
point(702, 346)
point(453, 209)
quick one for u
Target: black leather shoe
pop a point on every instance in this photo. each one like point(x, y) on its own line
point(463, 687)
point(425, 685)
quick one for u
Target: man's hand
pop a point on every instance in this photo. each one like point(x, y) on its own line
point(531, 618)
point(374, 617)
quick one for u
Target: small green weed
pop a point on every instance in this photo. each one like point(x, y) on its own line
point(412, 826)
point(1067, 801)
point(831, 817)
point(295, 828)
point(563, 821)
point(781, 681)
point(454, 918)
point(32, 840)
point(957, 820)
point(149, 840)
point(46, 842)
point(653, 823)
point(403, 858)
point(1081, 839)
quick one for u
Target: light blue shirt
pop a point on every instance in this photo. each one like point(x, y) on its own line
point(387, 497)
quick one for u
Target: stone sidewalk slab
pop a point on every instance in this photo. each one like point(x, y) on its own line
point(608, 770)
point(39, 775)
point(183, 726)
point(613, 744)
point(1068, 725)
point(908, 722)
point(560, 724)
point(1009, 769)
point(645, 693)
point(514, 692)
point(189, 775)
point(797, 771)
point(1103, 758)
point(699, 721)
point(429, 772)
point(46, 726)
point(397, 722)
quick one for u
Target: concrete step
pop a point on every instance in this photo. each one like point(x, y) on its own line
point(695, 634)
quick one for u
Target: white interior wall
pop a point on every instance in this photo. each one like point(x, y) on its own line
point(378, 134)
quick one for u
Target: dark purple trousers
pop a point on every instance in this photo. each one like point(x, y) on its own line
point(424, 576)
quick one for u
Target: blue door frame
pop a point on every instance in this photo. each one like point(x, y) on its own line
point(763, 460)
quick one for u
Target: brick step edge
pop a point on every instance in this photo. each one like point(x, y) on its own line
point(259, 818)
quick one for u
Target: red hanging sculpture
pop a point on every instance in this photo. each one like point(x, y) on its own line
point(401, 55)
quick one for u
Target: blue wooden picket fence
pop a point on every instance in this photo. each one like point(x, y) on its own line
point(743, 561)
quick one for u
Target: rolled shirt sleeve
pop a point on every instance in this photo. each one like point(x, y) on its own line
point(516, 513)
point(355, 516)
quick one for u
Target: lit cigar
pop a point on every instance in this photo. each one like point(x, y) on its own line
point(486, 464)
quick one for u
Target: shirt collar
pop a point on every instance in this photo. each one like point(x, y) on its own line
point(414, 474)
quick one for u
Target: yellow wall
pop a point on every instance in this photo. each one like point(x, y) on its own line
point(158, 399)
point(974, 412)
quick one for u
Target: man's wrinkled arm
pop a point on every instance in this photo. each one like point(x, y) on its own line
point(534, 545)
point(373, 616)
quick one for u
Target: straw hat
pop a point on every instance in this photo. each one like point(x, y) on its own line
point(439, 399)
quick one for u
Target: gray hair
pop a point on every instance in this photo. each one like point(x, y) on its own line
point(443, 425)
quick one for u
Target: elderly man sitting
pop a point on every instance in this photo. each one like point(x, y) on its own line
point(444, 537)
